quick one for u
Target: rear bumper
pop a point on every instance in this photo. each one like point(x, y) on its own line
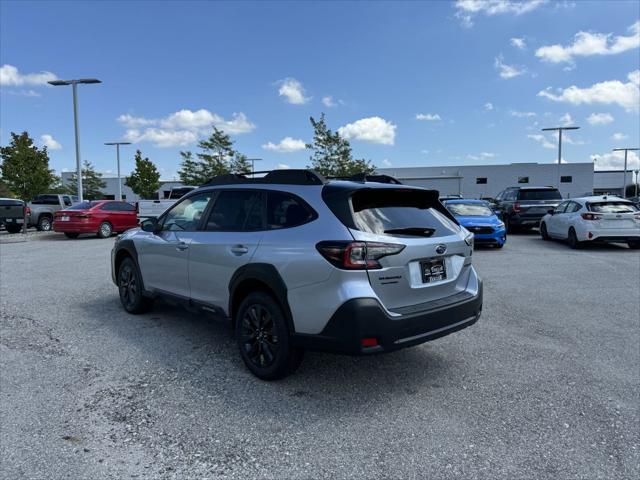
point(365, 318)
point(526, 220)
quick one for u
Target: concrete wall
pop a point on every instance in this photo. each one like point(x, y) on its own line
point(610, 181)
point(463, 179)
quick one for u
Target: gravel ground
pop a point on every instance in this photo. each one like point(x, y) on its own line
point(545, 386)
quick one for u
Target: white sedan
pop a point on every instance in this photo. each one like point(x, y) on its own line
point(593, 219)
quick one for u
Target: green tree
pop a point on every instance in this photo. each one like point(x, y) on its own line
point(92, 183)
point(145, 179)
point(190, 172)
point(216, 157)
point(331, 154)
point(25, 168)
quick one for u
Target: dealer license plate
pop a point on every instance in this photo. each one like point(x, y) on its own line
point(433, 270)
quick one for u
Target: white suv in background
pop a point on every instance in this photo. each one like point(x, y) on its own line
point(593, 219)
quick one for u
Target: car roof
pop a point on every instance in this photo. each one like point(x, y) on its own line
point(471, 201)
point(599, 198)
point(532, 187)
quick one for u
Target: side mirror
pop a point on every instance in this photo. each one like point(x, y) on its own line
point(551, 212)
point(151, 225)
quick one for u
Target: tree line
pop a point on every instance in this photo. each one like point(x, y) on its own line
point(25, 171)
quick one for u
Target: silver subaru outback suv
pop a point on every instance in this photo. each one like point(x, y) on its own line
point(298, 262)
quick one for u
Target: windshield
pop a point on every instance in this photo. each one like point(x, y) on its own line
point(82, 206)
point(612, 207)
point(541, 194)
point(469, 209)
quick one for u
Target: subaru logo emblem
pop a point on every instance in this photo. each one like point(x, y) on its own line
point(441, 249)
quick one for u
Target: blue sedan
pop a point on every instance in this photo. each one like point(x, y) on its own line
point(477, 217)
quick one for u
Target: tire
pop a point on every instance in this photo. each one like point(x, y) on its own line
point(11, 228)
point(263, 338)
point(44, 223)
point(130, 288)
point(71, 234)
point(634, 245)
point(572, 239)
point(543, 232)
point(105, 230)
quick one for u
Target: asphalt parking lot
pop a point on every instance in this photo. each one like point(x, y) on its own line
point(546, 385)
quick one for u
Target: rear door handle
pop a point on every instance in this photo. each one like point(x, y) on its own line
point(239, 250)
point(182, 246)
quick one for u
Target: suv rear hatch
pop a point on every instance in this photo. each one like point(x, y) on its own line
point(434, 261)
point(616, 214)
point(534, 203)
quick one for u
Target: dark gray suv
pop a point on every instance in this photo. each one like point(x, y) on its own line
point(300, 262)
point(524, 207)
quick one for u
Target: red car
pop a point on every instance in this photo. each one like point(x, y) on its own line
point(101, 216)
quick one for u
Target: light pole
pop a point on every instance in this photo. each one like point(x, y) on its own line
point(637, 171)
point(117, 144)
point(624, 174)
point(559, 129)
point(74, 85)
point(252, 164)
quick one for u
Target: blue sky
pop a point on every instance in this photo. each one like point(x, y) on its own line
point(416, 83)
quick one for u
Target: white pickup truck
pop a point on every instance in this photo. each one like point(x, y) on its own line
point(154, 208)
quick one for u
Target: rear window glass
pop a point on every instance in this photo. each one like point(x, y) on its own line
point(612, 207)
point(83, 206)
point(392, 211)
point(469, 209)
point(46, 200)
point(542, 194)
point(10, 203)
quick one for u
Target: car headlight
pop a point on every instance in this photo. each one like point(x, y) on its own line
point(469, 239)
point(501, 225)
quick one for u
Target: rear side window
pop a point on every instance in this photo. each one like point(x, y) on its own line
point(540, 194)
point(235, 211)
point(285, 211)
point(46, 200)
point(399, 212)
point(82, 206)
point(612, 207)
point(110, 207)
point(126, 207)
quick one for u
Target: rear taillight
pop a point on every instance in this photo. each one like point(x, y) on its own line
point(27, 211)
point(357, 255)
point(591, 216)
point(636, 217)
point(84, 215)
point(516, 207)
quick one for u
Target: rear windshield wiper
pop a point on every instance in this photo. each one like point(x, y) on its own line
point(415, 231)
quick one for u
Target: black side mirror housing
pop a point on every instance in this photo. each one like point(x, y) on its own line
point(151, 225)
point(551, 212)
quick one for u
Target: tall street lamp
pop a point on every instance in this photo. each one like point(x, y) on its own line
point(559, 129)
point(253, 160)
point(624, 175)
point(74, 85)
point(117, 144)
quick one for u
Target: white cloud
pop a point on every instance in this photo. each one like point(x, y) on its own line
point(615, 161)
point(429, 117)
point(626, 95)
point(50, 142)
point(481, 156)
point(515, 113)
point(292, 91)
point(518, 43)
point(566, 120)
point(586, 44)
point(286, 145)
point(24, 93)
point(467, 9)
point(542, 140)
point(488, 106)
point(282, 166)
point(161, 138)
point(372, 129)
point(182, 127)
point(11, 77)
point(619, 136)
point(508, 71)
point(599, 118)
point(328, 101)
point(386, 162)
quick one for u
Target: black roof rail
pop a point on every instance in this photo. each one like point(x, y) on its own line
point(283, 176)
point(362, 177)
